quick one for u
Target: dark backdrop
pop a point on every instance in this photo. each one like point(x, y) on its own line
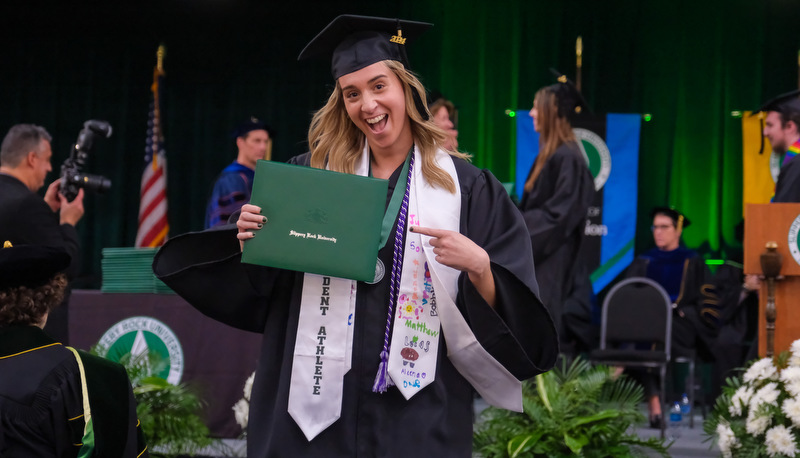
point(689, 64)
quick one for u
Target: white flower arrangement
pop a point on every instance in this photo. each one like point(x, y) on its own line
point(758, 414)
point(241, 410)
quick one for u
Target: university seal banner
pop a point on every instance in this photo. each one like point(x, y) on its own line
point(147, 340)
point(611, 147)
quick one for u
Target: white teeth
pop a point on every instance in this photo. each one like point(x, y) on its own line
point(376, 119)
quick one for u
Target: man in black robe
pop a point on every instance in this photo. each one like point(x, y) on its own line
point(782, 128)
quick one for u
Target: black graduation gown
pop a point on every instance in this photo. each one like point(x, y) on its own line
point(41, 400)
point(696, 317)
point(787, 189)
point(519, 333)
point(555, 213)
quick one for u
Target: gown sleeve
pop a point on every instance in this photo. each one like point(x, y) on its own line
point(552, 223)
point(519, 332)
point(205, 268)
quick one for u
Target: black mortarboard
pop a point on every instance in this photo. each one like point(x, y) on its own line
point(783, 103)
point(570, 99)
point(354, 42)
point(30, 265)
point(681, 221)
point(250, 125)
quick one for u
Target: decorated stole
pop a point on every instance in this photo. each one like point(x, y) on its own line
point(327, 314)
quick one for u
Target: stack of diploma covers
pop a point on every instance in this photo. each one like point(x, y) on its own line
point(321, 222)
point(130, 270)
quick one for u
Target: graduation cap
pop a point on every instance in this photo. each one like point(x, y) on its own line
point(784, 103)
point(30, 265)
point(680, 220)
point(354, 42)
point(250, 125)
point(570, 99)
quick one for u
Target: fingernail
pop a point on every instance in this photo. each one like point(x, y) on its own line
point(264, 219)
point(411, 228)
point(252, 234)
point(260, 225)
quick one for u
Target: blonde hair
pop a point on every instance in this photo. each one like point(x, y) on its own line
point(336, 142)
point(554, 130)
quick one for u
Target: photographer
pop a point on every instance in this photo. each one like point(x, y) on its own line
point(26, 218)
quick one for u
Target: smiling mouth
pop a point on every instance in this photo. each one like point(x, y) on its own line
point(377, 123)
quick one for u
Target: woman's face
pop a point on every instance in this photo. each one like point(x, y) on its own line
point(375, 102)
point(534, 114)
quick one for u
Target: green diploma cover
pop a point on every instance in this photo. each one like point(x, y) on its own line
point(319, 221)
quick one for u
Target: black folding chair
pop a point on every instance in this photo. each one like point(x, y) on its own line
point(637, 310)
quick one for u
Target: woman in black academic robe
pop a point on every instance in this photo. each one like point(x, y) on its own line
point(49, 391)
point(376, 114)
point(557, 195)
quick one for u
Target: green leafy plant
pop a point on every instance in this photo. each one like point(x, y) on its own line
point(758, 412)
point(573, 410)
point(169, 414)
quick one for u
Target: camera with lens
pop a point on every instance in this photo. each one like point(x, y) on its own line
point(72, 175)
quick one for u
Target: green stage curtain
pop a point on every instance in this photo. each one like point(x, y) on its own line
point(689, 64)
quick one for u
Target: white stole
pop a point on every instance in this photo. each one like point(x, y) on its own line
point(315, 394)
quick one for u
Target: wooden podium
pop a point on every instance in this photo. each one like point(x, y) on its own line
point(778, 223)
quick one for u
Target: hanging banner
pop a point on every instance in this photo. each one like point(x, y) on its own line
point(611, 147)
point(761, 165)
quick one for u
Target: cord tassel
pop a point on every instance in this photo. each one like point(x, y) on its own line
point(382, 379)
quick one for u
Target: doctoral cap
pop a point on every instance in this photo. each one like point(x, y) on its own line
point(783, 103)
point(354, 42)
point(250, 125)
point(570, 99)
point(680, 220)
point(30, 265)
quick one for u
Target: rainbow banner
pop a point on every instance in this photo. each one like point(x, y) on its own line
point(611, 147)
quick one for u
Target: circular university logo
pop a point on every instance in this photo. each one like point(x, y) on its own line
point(150, 342)
point(794, 248)
point(774, 165)
point(598, 158)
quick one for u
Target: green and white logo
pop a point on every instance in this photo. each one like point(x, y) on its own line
point(794, 248)
point(598, 158)
point(145, 336)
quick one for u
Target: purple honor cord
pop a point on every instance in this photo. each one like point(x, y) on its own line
point(382, 379)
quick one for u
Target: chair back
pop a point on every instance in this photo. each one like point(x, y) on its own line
point(637, 309)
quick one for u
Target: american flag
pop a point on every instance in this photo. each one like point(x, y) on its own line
point(153, 225)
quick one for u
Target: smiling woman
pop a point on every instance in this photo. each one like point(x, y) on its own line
point(374, 99)
point(459, 313)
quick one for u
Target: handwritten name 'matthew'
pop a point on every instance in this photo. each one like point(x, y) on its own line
point(309, 235)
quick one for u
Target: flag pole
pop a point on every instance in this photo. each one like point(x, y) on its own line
point(579, 57)
point(158, 71)
point(162, 51)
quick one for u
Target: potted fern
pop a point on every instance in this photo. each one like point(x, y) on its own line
point(169, 414)
point(574, 410)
